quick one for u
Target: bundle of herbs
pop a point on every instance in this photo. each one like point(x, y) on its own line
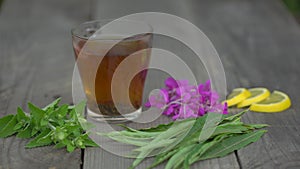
point(53, 124)
point(185, 142)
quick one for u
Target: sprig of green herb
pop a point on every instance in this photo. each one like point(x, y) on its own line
point(185, 142)
point(53, 124)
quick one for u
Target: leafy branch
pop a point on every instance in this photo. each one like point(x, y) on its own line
point(185, 142)
point(53, 124)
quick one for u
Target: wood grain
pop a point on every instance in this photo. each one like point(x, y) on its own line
point(258, 45)
point(257, 42)
point(36, 65)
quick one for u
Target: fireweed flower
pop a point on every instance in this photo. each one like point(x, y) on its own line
point(180, 100)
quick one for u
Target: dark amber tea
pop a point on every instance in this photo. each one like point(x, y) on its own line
point(97, 71)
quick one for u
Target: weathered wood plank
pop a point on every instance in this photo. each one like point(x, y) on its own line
point(104, 9)
point(266, 53)
point(258, 44)
point(36, 65)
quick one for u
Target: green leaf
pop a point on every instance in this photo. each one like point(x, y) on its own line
point(210, 125)
point(36, 142)
point(201, 148)
point(21, 116)
point(176, 129)
point(36, 113)
point(178, 157)
point(60, 133)
point(60, 112)
point(79, 110)
point(18, 126)
point(4, 120)
point(231, 144)
point(138, 160)
point(59, 145)
point(256, 126)
point(70, 148)
point(85, 124)
point(8, 129)
point(90, 143)
point(127, 128)
point(161, 127)
point(163, 139)
point(131, 141)
point(34, 131)
point(45, 140)
point(53, 104)
point(208, 120)
point(73, 128)
point(231, 128)
point(43, 122)
point(229, 118)
point(25, 133)
point(162, 157)
point(196, 128)
point(134, 134)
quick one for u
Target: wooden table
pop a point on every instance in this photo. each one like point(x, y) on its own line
point(258, 42)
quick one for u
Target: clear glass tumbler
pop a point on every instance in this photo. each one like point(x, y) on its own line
point(99, 52)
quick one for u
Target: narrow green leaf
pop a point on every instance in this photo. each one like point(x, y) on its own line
point(234, 117)
point(231, 144)
point(210, 125)
point(177, 159)
point(127, 128)
point(164, 140)
point(152, 146)
point(161, 127)
point(133, 134)
point(256, 126)
point(231, 128)
point(201, 148)
point(200, 128)
point(162, 157)
point(139, 159)
point(129, 140)
point(175, 130)
point(196, 128)
point(8, 129)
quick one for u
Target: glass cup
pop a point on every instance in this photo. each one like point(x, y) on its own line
point(100, 47)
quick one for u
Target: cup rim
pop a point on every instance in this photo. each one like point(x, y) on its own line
point(105, 21)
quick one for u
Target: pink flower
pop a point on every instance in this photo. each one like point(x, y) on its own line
point(181, 100)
